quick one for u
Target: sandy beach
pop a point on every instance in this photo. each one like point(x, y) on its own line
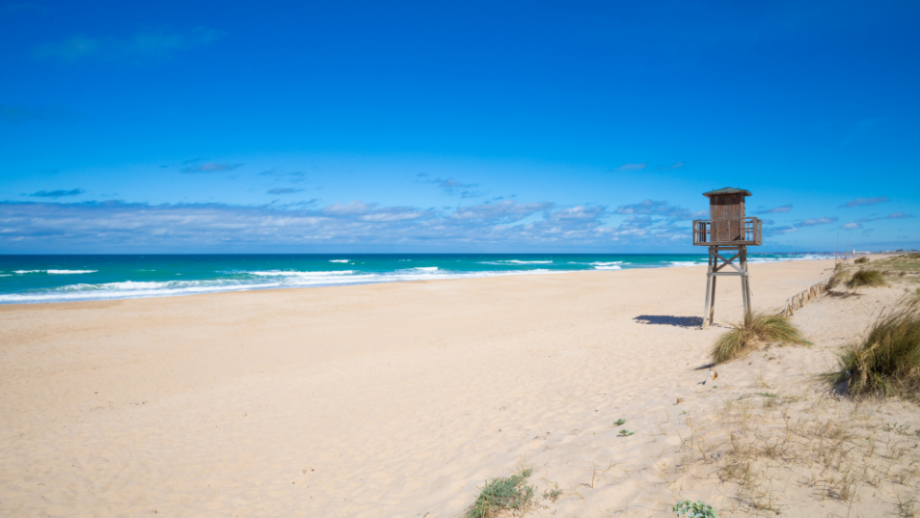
point(400, 400)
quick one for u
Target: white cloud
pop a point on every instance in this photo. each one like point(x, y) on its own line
point(505, 211)
point(156, 43)
point(775, 210)
point(861, 202)
point(817, 221)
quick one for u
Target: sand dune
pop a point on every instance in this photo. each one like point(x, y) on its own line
point(387, 400)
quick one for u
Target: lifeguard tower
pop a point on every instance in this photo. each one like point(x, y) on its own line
point(727, 231)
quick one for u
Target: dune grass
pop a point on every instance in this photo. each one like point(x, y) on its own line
point(887, 361)
point(755, 329)
point(865, 277)
point(839, 276)
point(503, 494)
point(861, 260)
point(908, 263)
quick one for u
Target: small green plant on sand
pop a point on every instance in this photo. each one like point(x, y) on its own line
point(862, 260)
point(552, 494)
point(887, 361)
point(503, 494)
point(626, 433)
point(756, 328)
point(688, 509)
point(619, 422)
point(864, 277)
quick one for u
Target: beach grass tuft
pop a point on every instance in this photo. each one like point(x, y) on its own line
point(503, 494)
point(861, 260)
point(902, 263)
point(754, 329)
point(865, 277)
point(840, 275)
point(887, 361)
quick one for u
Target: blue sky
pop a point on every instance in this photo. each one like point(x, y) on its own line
point(451, 127)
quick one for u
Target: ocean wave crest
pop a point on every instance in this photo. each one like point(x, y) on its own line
point(686, 263)
point(285, 273)
point(273, 279)
point(56, 272)
point(514, 262)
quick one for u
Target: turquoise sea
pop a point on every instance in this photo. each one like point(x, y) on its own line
point(58, 278)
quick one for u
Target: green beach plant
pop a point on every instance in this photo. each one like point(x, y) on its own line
point(503, 494)
point(552, 494)
point(887, 361)
point(619, 422)
point(862, 260)
point(865, 277)
point(754, 329)
point(688, 509)
point(839, 276)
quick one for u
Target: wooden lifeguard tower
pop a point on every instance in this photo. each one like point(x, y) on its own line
point(727, 231)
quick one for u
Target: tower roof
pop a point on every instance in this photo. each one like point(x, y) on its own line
point(727, 190)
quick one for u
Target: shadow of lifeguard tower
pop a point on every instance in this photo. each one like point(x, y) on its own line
point(727, 231)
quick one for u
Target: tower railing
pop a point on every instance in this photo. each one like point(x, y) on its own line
point(737, 231)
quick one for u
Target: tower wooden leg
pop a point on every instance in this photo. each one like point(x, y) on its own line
point(747, 292)
point(712, 296)
point(706, 307)
point(745, 296)
point(745, 283)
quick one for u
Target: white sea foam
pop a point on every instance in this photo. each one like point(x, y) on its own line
point(279, 273)
point(238, 280)
point(56, 272)
point(339, 260)
point(271, 279)
point(133, 285)
point(769, 259)
point(515, 262)
point(755, 259)
point(685, 263)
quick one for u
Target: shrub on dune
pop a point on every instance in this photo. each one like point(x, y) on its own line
point(865, 277)
point(862, 260)
point(887, 361)
point(839, 276)
point(755, 329)
point(503, 495)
